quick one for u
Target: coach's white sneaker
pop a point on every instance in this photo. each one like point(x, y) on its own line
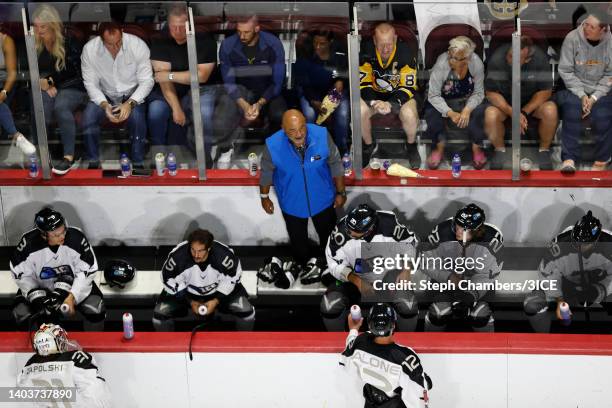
point(24, 144)
point(225, 159)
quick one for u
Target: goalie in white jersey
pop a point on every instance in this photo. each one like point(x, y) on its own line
point(54, 265)
point(61, 363)
point(392, 374)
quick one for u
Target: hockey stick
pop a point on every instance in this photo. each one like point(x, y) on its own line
point(584, 282)
point(193, 332)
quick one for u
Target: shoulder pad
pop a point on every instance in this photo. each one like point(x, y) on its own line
point(30, 242)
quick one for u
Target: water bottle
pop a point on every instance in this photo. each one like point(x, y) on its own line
point(33, 166)
point(64, 309)
point(202, 310)
point(128, 326)
point(456, 165)
point(126, 168)
point(355, 313)
point(171, 163)
point(347, 164)
point(252, 164)
point(566, 317)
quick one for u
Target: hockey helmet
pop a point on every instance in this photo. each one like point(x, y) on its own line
point(381, 320)
point(47, 220)
point(362, 219)
point(587, 229)
point(118, 272)
point(471, 217)
point(50, 339)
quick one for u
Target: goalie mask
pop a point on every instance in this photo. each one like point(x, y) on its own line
point(52, 339)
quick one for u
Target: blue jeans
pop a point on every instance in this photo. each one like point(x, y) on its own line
point(340, 119)
point(6, 119)
point(159, 117)
point(136, 124)
point(61, 108)
point(570, 107)
point(436, 125)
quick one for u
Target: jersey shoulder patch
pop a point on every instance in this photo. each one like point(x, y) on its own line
point(29, 243)
point(223, 259)
point(178, 260)
point(339, 236)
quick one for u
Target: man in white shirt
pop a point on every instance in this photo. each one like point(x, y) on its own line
point(118, 77)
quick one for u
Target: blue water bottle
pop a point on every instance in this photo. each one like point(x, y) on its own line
point(33, 166)
point(171, 163)
point(456, 166)
point(126, 169)
point(347, 164)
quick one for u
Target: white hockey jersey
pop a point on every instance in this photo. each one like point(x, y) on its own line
point(342, 250)
point(70, 369)
point(35, 264)
point(386, 371)
point(217, 276)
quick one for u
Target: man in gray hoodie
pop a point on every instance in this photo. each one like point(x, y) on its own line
point(586, 69)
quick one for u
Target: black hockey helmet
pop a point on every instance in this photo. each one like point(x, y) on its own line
point(47, 220)
point(381, 320)
point(587, 229)
point(361, 219)
point(118, 272)
point(471, 217)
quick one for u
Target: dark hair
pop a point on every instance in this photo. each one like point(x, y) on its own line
point(202, 236)
point(245, 18)
point(526, 41)
point(322, 33)
point(108, 26)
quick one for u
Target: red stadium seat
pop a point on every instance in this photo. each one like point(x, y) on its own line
point(437, 40)
point(503, 34)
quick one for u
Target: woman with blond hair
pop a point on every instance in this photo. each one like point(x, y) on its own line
point(59, 62)
point(8, 77)
point(454, 99)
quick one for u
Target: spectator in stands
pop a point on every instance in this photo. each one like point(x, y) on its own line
point(303, 163)
point(170, 102)
point(118, 77)
point(388, 84)
point(8, 78)
point(323, 71)
point(253, 70)
point(536, 103)
point(456, 92)
point(586, 69)
point(59, 63)
point(202, 272)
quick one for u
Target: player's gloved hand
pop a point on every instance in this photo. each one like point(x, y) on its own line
point(327, 278)
point(343, 273)
point(464, 301)
point(36, 299)
point(286, 279)
point(312, 273)
point(271, 270)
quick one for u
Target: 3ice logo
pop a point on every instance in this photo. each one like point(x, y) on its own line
point(594, 231)
point(48, 273)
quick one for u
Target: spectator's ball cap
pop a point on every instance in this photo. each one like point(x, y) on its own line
point(47, 220)
point(49, 339)
point(587, 229)
point(361, 219)
point(381, 320)
point(118, 272)
point(470, 217)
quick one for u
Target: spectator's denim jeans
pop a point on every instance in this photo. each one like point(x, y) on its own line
point(61, 108)
point(6, 119)
point(160, 116)
point(340, 119)
point(136, 124)
point(436, 125)
point(570, 107)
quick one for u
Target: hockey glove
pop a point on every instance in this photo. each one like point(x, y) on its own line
point(36, 299)
point(312, 273)
point(271, 270)
point(290, 272)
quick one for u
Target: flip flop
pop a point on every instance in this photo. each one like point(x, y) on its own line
point(479, 160)
point(433, 162)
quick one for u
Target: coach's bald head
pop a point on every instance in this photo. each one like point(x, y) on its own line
point(294, 125)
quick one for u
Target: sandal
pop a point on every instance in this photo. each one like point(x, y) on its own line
point(479, 159)
point(433, 162)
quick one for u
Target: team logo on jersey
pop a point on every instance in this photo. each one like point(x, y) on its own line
point(52, 273)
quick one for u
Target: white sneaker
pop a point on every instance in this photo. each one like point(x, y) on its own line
point(225, 159)
point(24, 144)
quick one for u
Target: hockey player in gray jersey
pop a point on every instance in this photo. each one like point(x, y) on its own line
point(463, 248)
point(350, 279)
point(392, 374)
point(54, 265)
point(202, 272)
point(578, 268)
point(61, 363)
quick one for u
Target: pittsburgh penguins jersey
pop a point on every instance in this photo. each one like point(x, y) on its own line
point(342, 250)
point(388, 371)
point(394, 81)
point(36, 265)
point(217, 276)
point(563, 262)
point(63, 370)
point(478, 261)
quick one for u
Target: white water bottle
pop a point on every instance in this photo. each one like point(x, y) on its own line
point(566, 316)
point(355, 313)
point(64, 308)
point(202, 310)
point(126, 168)
point(171, 163)
point(128, 326)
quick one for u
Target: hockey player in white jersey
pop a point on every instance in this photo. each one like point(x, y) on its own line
point(578, 271)
point(54, 265)
point(202, 272)
point(392, 374)
point(347, 271)
point(61, 363)
point(449, 247)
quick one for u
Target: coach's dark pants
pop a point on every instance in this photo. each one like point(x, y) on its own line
point(297, 228)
